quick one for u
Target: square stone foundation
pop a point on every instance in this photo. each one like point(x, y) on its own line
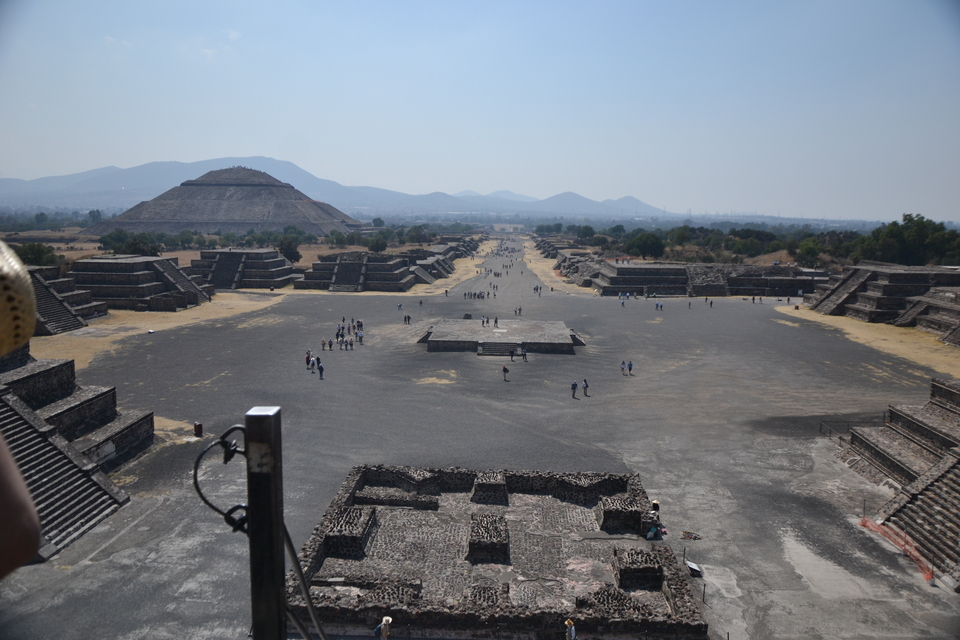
point(514, 570)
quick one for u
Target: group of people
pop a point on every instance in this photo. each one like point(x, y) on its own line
point(485, 321)
point(476, 295)
point(345, 335)
point(626, 368)
point(313, 362)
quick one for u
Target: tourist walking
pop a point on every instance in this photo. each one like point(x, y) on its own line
point(505, 372)
point(573, 389)
point(623, 368)
point(630, 368)
point(320, 369)
point(585, 387)
point(571, 630)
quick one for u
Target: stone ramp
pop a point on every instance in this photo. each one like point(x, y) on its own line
point(70, 493)
point(53, 314)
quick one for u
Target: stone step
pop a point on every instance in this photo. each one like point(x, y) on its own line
point(928, 504)
point(69, 501)
point(929, 551)
point(86, 409)
point(119, 440)
point(940, 434)
point(901, 456)
point(927, 530)
point(497, 348)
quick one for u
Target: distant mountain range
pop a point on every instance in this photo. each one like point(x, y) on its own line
point(115, 188)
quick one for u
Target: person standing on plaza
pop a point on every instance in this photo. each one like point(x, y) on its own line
point(573, 389)
point(320, 369)
point(623, 367)
point(630, 368)
point(585, 387)
point(505, 372)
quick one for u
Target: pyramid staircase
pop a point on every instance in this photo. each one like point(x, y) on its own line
point(348, 276)
point(832, 301)
point(179, 280)
point(71, 494)
point(64, 437)
point(919, 448)
point(227, 271)
point(53, 314)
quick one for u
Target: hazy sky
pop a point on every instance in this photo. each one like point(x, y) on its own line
point(826, 109)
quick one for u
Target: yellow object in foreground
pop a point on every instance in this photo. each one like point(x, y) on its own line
point(18, 308)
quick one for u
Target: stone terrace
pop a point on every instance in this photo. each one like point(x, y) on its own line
point(454, 566)
point(919, 448)
point(535, 336)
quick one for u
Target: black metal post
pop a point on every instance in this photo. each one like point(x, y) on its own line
point(265, 522)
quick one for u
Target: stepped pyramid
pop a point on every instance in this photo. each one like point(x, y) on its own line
point(230, 200)
point(919, 448)
point(63, 437)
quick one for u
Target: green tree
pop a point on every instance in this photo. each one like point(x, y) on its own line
point(378, 245)
point(378, 222)
point(288, 246)
point(586, 231)
point(95, 216)
point(184, 239)
point(417, 234)
point(142, 244)
point(41, 219)
point(114, 238)
point(617, 231)
point(36, 254)
point(808, 252)
point(645, 244)
point(748, 246)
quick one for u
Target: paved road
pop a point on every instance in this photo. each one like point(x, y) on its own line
point(720, 419)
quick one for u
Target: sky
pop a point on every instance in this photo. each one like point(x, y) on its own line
point(818, 109)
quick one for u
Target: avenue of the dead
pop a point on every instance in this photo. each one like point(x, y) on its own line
point(718, 418)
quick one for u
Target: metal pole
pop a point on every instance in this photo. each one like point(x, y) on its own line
point(265, 522)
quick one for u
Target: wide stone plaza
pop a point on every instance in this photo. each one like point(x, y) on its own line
point(719, 420)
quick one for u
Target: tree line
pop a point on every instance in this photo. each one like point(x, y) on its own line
point(914, 240)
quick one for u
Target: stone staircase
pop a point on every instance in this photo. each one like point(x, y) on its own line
point(422, 276)
point(180, 281)
point(71, 494)
point(53, 314)
point(86, 416)
point(347, 277)
point(919, 448)
point(227, 270)
point(498, 348)
point(832, 303)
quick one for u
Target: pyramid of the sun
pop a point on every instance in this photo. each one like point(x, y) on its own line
point(230, 200)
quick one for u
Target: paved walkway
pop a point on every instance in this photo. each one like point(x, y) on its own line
point(719, 418)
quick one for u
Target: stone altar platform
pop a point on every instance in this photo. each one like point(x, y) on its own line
point(536, 336)
point(442, 553)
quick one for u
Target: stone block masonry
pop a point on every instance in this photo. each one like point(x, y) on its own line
point(459, 562)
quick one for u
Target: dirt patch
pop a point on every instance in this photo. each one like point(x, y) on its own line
point(543, 267)
point(103, 334)
point(904, 342)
